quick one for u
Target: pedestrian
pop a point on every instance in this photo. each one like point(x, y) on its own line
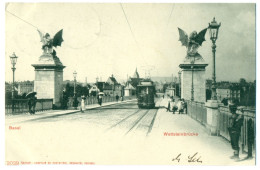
point(250, 138)
point(184, 106)
point(235, 124)
point(168, 108)
point(117, 97)
point(82, 108)
point(180, 106)
point(174, 107)
point(65, 100)
point(100, 99)
point(30, 105)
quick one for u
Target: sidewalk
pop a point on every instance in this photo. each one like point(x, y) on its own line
point(10, 119)
point(214, 150)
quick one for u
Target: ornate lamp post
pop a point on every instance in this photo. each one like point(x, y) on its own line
point(13, 59)
point(74, 97)
point(179, 73)
point(192, 86)
point(213, 31)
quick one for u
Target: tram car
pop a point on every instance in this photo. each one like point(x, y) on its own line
point(145, 94)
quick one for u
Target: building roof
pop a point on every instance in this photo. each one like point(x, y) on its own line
point(136, 74)
point(108, 87)
point(129, 87)
point(112, 79)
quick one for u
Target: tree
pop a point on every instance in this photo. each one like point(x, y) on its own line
point(242, 81)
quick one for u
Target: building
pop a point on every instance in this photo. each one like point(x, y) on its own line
point(100, 85)
point(129, 90)
point(25, 87)
point(158, 86)
point(93, 91)
point(227, 90)
point(135, 79)
point(170, 91)
point(112, 87)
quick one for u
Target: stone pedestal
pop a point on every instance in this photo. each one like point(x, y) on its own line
point(199, 80)
point(49, 78)
point(212, 117)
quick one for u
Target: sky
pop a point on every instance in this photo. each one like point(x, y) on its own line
point(100, 40)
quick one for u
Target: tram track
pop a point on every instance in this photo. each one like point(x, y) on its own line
point(145, 125)
point(137, 121)
point(124, 120)
point(111, 127)
point(131, 123)
point(151, 125)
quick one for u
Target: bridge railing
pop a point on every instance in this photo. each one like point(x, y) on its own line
point(90, 100)
point(198, 111)
point(21, 105)
point(223, 122)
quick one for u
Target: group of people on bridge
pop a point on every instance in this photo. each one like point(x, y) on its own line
point(176, 104)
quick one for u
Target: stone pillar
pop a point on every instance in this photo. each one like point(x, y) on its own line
point(49, 78)
point(212, 117)
point(199, 80)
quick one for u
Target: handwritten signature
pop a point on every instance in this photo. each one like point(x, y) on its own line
point(191, 158)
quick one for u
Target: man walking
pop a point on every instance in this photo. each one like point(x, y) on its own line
point(235, 124)
point(117, 97)
point(100, 99)
point(34, 101)
point(32, 104)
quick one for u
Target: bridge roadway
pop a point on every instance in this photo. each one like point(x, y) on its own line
point(120, 133)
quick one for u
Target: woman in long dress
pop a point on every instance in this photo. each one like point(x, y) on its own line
point(83, 98)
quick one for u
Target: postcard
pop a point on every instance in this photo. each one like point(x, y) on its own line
point(130, 83)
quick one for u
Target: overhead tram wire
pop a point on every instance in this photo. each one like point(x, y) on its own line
point(131, 29)
point(128, 22)
point(65, 43)
point(173, 6)
point(22, 19)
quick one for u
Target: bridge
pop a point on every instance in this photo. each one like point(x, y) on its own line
point(121, 133)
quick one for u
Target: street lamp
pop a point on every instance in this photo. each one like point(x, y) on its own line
point(213, 31)
point(75, 99)
point(13, 59)
point(179, 73)
point(175, 84)
point(192, 86)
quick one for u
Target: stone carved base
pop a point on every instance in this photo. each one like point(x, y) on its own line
point(199, 80)
point(49, 78)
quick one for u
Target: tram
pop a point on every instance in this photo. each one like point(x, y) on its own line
point(145, 94)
